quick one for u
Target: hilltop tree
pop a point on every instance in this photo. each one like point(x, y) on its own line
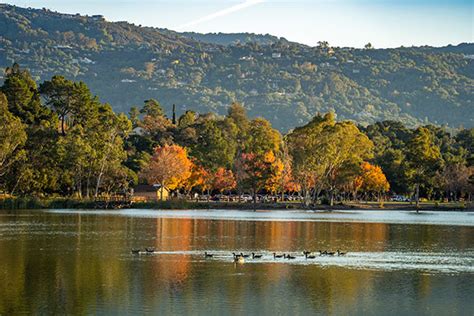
point(323, 44)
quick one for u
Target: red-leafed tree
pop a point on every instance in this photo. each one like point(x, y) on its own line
point(254, 171)
point(223, 180)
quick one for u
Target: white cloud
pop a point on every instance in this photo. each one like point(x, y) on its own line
point(221, 13)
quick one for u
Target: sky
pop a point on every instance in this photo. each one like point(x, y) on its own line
point(351, 23)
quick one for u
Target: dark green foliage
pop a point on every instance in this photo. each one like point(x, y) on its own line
point(81, 154)
point(23, 96)
point(89, 151)
point(215, 146)
point(152, 108)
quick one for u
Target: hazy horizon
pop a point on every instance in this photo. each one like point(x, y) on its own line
point(342, 23)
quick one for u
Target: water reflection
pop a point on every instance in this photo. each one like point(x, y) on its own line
point(80, 264)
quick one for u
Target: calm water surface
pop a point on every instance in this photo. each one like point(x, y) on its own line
point(79, 262)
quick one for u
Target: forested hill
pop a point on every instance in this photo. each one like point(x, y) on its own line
point(233, 39)
point(284, 82)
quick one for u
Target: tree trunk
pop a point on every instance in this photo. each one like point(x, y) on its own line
point(417, 196)
point(87, 187)
point(79, 189)
point(306, 197)
point(254, 198)
point(63, 132)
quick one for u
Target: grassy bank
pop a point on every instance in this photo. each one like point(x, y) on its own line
point(431, 205)
point(20, 203)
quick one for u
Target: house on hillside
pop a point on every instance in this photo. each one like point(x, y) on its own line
point(145, 192)
point(137, 131)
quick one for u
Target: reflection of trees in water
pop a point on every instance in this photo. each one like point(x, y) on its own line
point(73, 264)
point(41, 267)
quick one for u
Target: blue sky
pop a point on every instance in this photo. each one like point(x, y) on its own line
point(340, 22)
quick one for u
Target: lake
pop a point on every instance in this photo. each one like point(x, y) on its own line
point(79, 262)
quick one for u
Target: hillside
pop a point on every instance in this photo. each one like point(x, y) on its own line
point(284, 82)
point(232, 39)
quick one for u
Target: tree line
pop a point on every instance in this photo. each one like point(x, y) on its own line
point(57, 139)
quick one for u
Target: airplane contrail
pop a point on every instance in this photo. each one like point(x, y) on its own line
point(235, 8)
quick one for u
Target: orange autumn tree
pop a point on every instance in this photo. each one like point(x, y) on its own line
point(169, 166)
point(280, 179)
point(198, 178)
point(286, 181)
point(373, 179)
point(223, 180)
point(275, 181)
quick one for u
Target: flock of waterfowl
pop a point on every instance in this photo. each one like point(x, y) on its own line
point(240, 257)
point(137, 251)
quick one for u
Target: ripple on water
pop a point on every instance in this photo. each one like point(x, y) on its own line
point(429, 262)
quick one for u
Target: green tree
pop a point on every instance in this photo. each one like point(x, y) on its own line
point(23, 97)
point(134, 116)
point(12, 138)
point(214, 147)
point(324, 148)
point(423, 159)
point(152, 108)
point(262, 138)
point(238, 115)
point(465, 139)
point(71, 101)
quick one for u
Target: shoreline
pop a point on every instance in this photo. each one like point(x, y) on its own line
point(34, 203)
